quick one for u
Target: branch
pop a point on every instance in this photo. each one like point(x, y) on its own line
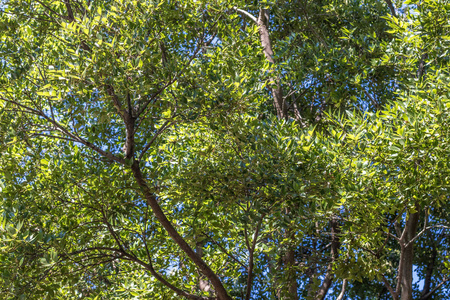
point(174, 79)
point(113, 233)
point(63, 130)
point(176, 237)
point(391, 7)
point(116, 101)
point(250, 263)
point(149, 267)
point(224, 250)
point(160, 130)
point(435, 289)
point(92, 249)
point(400, 269)
point(50, 9)
point(246, 13)
point(329, 276)
point(429, 271)
point(54, 137)
point(389, 287)
point(371, 98)
point(342, 293)
point(70, 17)
point(423, 231)
point(161, 279)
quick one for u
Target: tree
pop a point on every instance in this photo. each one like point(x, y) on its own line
point(224, 150)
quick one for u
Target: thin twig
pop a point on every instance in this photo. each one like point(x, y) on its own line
point(160, 130)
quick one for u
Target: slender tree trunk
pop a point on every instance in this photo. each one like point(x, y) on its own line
point(407, 256)
point(335, 244)
point(312, 271)
point(429, 273)
point(289, 263)
point(288, 292)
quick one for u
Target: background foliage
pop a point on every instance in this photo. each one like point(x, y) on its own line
point(224, 149)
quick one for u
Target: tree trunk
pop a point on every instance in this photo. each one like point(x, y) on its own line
point(335, 244)
point(427, 285)
point(289, 262)
point(407, 256)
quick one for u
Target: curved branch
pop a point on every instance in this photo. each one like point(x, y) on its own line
point(147, 266)
point(246, 13)
point(389, 287)
point(161, 279)
point(426, 296)
point(176, 237)
point(58, 127)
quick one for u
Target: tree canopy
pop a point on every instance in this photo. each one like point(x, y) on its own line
point(224, 149)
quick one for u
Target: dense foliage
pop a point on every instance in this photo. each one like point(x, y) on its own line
point(224, 149)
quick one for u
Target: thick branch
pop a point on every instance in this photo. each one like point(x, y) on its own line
point(405, 272)
point(129, 121)
point(70, 17)
point(176, 237)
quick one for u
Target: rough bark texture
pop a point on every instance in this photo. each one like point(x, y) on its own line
point(176, 237)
